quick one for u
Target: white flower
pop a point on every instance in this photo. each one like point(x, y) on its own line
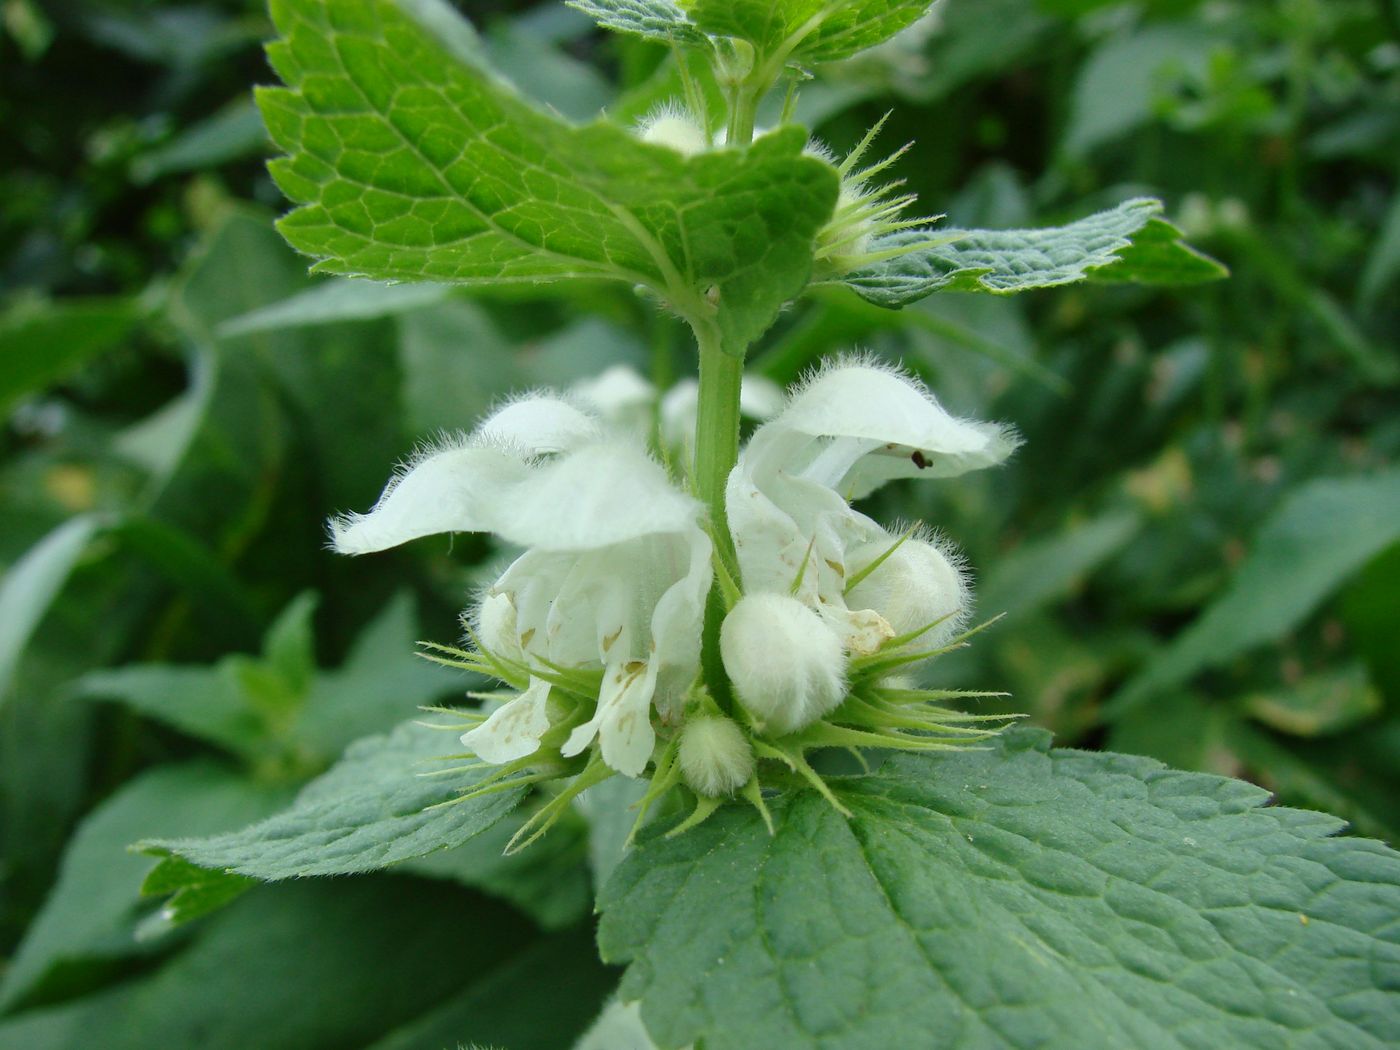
point(614, 575)
point(847, 431)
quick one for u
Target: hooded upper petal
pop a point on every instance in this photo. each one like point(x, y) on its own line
point(450, 489)
point(881, 425)
point(593, 497)
point(462, 485)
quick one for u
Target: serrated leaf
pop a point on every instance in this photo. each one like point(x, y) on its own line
point(660, 20)
point(1323, 533)
point(369, 811)
point(1125, 244)
point(412, 165)
point(808, 31)
point(1018, 896)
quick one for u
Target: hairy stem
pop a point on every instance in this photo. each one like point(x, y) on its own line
point(716, 452)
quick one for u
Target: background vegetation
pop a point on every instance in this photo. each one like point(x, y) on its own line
point(1196, 550)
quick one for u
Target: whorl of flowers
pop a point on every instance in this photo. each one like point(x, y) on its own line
point(595, 630)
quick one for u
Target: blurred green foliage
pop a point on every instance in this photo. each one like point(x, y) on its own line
point(1196, 550)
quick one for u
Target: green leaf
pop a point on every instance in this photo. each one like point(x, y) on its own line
point(204, 702)
point(1322, 534)
point(382, 681)
point(1322, 704)
point(411, 165)
point(660, 20)
point(1044, 569)
point(491, 1009)
point(369, 811)
point(236, 131)
point(337, 964)
point(42, 343)
point(338, 299)
point(32, 583)
point(548, 882)
point(92, 911)
point(1126, 243)
point(1015, 897)
point(807, 31)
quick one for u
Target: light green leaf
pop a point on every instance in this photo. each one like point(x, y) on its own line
point(1126, 243)
point(369, 811)
point(31, 584)
point(807, 31)
point(660, 20)
point(44, 342)
point(1013, 897)
point(339, 299)
point(411, 165)
point(1323, 533)
point(92, 911)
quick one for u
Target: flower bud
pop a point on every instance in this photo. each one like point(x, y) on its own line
point(678, 130)
point(715, 756)
point(786, 664)
point(916, 585)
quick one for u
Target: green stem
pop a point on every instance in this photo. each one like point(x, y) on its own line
point(716, 452)
point(717, 429)
point(743, 111)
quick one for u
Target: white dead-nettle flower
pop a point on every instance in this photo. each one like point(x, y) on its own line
point(614, 575)
point(716, 757)
point(787, 666)
point(850, 429)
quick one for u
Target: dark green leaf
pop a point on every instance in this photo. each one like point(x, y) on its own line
point(1018, 896)
point(1322, 533)
point(94, 907)
point(336, 964)
point(42, 343)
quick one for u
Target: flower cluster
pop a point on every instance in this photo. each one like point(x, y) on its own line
point(596, 628)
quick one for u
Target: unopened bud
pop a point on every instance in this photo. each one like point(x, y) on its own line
point(913, 587)
point(715, 756)
point(678, 130)
point(786, 664)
